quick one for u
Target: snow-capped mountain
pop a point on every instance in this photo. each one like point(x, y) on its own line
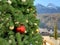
point(50, 5)
point(50, 8)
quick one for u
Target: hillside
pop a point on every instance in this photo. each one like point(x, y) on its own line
point(48, 20)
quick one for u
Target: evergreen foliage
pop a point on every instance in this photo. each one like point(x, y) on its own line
point(13, 13)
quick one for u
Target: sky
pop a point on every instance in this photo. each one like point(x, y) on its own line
point(46, 2)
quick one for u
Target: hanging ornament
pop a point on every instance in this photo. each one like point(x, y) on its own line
point(37, 30)
point(32, 32)
point(25, 31)
point(21, 29)
point(16, 22)
point(36, 41)
point(0, 0)
point(26, 21)
point(11, 27)
point(9, 1)
point(10, 41)
point(28, 10)
point(23, 0)
point(7, 18)
point(35, 23)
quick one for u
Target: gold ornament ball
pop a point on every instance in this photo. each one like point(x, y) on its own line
point(10, 41)
point(23, 0)
point(11, 27)
point(36, 41)
point(35, 23)
point(25, 31)
point(0, 0)
point(26, 21)
point(28, 10)
point(7, 18)
point(16, 22)
point(32, 32)
point(9, 1)
point(37, 30)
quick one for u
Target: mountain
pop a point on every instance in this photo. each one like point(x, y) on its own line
point(50, 8)
point(50, 5)
point(48, 20)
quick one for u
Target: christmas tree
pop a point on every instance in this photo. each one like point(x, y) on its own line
point(18, 23)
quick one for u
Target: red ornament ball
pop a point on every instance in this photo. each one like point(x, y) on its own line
point(21, 29)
